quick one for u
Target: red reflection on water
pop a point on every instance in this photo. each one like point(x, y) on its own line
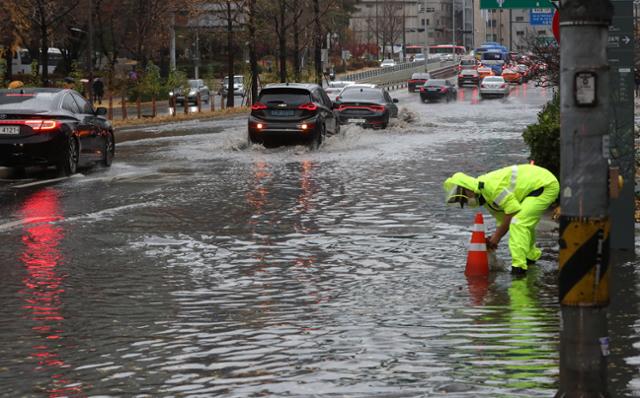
point(460, 95)
point(257, 197)
point(43, 285)
point(475, 96)
point(478, 287)
point(524, 90)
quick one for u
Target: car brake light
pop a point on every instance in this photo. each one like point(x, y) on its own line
point(443, 90)
point(503, 85)
point(309, 106)
point(258, 106)
point(36, 124)
point(376, 108)
point(422, 89)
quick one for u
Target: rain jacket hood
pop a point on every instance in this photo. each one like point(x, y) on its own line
point(459, 180)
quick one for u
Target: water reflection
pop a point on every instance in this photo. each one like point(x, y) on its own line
point(44, 286)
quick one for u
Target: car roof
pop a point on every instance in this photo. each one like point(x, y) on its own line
point(305, 86)
point(362, 85)
point(34, 90)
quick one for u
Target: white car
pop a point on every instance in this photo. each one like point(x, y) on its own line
point(387, 63)
point(494, 86)
point(419, 58)
point(334, 88)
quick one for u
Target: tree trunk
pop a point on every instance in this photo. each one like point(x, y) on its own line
point(282, 42)
point(8, 57)
point(230, 57)
point(318, 41)
point(44, 51)
point(253, 59)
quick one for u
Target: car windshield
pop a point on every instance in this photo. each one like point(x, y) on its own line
point(275, 96)
point(387, 61)
point(467, 62)
point(36, 102)
point(495, 79)
point(362, 94)
point(472, 72)
point(236, 80)
point(437, 82)
point(194, 83)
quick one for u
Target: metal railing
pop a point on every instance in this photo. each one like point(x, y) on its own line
point(372, 73)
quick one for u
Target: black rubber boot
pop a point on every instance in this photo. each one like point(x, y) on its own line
point(531, 262)
point(518, 271)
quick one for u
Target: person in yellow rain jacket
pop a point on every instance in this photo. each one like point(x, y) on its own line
point(516, 196)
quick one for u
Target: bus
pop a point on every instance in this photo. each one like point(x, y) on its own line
point(447, 51)
point(495, 58)
point(486, 46)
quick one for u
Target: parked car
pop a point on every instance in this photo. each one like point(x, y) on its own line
point(196, 86)
point(437, 89)
point(468, 76)
point(238, 86)
point(417, 80)
point(524, 70)
point(53, 127)
point(494, 86)
point(387, 63)
point(366, 106)
point(292, 113)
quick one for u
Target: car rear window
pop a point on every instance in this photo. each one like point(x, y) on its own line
point(494, 79)
point(27, 101)
point(437, 82)
point(362, 93)
point(469, 72)
point(467, 62)
point(420, 76)
point(284, 96)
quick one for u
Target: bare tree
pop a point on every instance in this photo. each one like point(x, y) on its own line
point(390, 25)
point(43, 16)
point(546, 56)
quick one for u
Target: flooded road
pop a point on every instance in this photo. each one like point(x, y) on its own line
point(201, 266)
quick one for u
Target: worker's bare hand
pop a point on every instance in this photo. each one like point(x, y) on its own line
point(492, 243)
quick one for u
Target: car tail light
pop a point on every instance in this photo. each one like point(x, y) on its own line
point(443, 90)
point(503, 85)
point(376, 108)
point(309, 106)
point(306, 126)
point(422, 89)
point(483, 86)
point(41, 125)
point(258, 106)
point(461, 75)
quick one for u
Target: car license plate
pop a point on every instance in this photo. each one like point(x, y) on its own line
point(9, 130)
point(282, 112)
point(356, 120)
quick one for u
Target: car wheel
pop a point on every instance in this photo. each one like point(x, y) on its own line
point(316, 141)
point(386, 123)
point(68, 163)
point(109, 150)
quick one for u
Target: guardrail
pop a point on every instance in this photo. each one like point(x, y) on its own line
point(401, 81)
point(372, 73)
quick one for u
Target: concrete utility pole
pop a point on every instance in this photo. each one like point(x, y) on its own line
point(90, 57)
point(584, 223)
point(425, 3)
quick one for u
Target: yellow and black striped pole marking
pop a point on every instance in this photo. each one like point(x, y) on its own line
point(584, 261)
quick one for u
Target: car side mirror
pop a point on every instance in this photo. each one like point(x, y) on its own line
point(395, 101)
point(101, 111)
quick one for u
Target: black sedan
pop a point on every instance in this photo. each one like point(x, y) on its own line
point(53, 127)
point(437, 89)
point(292, 113)
point(366, 106)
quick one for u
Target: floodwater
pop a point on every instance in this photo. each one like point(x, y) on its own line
point(200, 266)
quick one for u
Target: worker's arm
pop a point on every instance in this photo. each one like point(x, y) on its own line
point(501, 230)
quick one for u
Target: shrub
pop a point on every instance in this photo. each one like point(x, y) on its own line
point(543, 137)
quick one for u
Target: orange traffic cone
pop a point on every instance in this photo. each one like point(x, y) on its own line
point(477, 259)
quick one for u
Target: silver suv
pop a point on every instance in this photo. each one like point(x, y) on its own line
point(238, 86)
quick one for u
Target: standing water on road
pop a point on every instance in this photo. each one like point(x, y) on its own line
point(201, 266)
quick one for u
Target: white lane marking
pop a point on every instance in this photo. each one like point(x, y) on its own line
point(44, 182)
point(30, 220)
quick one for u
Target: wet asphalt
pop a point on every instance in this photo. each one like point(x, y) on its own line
point(199, 266)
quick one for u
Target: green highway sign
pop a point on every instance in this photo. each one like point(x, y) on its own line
point(491, 4)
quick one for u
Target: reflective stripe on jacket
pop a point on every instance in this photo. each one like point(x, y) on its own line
point(505, 188)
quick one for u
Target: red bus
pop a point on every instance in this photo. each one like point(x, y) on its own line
point(448, 51)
